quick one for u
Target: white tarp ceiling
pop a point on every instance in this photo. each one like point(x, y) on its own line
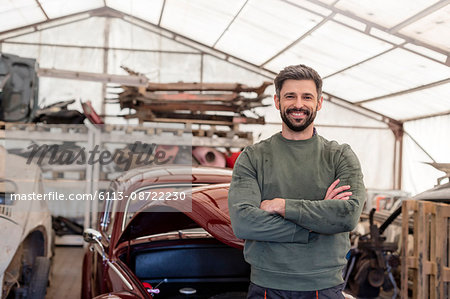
point(388, 60)
point(371, 53)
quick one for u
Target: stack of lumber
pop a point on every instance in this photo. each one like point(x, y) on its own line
point(203, 103)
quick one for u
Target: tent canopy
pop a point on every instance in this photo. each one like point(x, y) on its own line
point(385, 64)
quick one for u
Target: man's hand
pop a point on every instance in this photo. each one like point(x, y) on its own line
point(274, 206)
point(338, 193)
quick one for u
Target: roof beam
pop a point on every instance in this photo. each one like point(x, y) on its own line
point(380, 27)
point(162, 12)
point(101, 48)
point(42, 9)
point(361, 110)
point(179, 38)
point(360, 62)
point(38, 29)
point(429, 10)
point(421, 147)
point(317, 26)
point(367, 32)
point(36, 25)
point(406, 91)
point(219, 55)
point(347, 107)
point(232, 21)
point(95, 77)
point(427, 116)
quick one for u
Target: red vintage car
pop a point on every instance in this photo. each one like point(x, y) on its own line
point(166, 248)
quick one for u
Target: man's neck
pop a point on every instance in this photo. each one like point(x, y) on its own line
point(293, 135)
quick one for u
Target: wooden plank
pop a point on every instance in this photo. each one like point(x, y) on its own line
point(432, 248)
point(406, 259)
point(156, 107)
point(446, 274)
point(422, 235)
point(142, 103)
point(198, 118)
point(416, 248)
point(440, 252)
point(412, 262)
point(97, 77)
point(191, 121)
point(224, 142)
point(429, 268)
point(182, 86)
point(190, 97)
point(45, 135)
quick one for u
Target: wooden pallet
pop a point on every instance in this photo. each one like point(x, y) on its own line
point(116, 133)
point(428, 264)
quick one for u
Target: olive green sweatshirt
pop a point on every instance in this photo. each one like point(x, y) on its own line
point(305, 250)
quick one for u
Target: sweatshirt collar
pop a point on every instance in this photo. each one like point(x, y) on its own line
point(306, 141)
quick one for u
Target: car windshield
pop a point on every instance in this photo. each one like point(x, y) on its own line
point(141, 197)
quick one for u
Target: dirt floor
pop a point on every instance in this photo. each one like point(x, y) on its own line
point(66, 273)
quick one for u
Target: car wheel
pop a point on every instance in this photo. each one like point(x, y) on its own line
point(39, 278)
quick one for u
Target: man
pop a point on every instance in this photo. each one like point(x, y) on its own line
point(294, 197)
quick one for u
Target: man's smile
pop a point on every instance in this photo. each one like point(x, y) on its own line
point(298, 113)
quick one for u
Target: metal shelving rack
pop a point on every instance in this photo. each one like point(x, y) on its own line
point(92, 135)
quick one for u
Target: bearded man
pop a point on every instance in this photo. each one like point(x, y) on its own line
point(295, 197)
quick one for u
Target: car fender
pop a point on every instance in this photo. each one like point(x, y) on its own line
point(10, 234)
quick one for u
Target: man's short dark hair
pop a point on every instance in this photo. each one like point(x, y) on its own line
point(298, 72)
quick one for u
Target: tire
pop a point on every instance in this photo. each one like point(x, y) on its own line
point(39, 278)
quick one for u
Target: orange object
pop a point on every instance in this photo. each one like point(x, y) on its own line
point(231, 159)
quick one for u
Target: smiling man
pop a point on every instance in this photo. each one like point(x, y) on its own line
point(294, 197)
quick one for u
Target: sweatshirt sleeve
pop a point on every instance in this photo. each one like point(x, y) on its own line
point(249, 222)
point(332, 216)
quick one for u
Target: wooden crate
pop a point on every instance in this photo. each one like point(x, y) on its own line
point(428, 263)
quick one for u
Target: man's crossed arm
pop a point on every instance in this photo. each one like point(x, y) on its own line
point(278, 206)
point(287, 220)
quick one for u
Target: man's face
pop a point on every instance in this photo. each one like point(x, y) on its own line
point(298, 103)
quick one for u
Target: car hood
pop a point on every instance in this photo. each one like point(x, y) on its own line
point(440, 193)
point(209, 211)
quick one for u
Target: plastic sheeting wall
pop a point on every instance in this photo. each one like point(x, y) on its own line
point(148, 52)
point(433, 135)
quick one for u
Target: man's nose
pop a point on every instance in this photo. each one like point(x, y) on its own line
point(299, 103)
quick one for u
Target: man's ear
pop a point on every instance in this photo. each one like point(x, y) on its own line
point(319, 103)
point(277, 102)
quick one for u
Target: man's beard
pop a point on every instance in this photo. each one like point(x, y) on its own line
point(303, 123)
